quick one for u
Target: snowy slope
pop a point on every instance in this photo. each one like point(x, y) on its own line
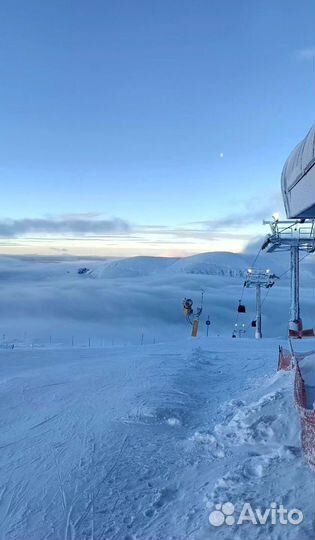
point(142, 442)
point(221, 264)
point(132, 267)
point(213, 263)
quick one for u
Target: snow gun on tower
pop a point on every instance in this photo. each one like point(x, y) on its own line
point(189, 313)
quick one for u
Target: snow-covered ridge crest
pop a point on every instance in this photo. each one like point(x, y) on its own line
point(215, 263)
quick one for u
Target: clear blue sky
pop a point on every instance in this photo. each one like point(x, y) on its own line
point(166, 114)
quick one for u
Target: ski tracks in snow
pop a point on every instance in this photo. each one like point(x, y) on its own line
point(138, 443)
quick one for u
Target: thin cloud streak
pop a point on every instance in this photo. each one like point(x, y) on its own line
point(253, 214)
point(235, 220)
point(92, 234)
point(72, 226)
point(306, 54)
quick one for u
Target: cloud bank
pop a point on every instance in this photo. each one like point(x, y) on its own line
point(77, 226)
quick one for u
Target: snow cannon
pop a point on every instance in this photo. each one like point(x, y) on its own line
point(188, 311)
point(187, 307)
point(298, 179)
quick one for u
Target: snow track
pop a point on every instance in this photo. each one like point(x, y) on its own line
point(140, 443)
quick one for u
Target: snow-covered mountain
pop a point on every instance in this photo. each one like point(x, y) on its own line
point(214, 263)
point(132, 267)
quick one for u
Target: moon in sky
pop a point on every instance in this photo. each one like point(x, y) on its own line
point(221, 155)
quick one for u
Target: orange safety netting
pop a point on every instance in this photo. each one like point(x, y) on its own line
point(286, 362)
point(307, 418)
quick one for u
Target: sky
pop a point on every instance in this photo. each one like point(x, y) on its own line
point(149, 127)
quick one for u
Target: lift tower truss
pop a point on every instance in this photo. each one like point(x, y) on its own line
point(293, 236)
point(259, 279)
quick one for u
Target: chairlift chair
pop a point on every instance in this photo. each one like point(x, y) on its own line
point(241, 308)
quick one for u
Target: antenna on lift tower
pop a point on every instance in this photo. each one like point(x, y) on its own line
point(259, 279)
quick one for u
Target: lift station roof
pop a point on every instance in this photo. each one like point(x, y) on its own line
point(298, 179)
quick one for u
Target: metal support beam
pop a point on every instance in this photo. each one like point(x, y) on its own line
point(258, 334)
point(294, 236)
point(295, 322)
point(259, 279)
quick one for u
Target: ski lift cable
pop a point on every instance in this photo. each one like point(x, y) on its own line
point(282, 230)
point(240, 302)
point(249, 324)
point(301, 259)
point(256, 258)
point(265, 297)
point(291, 225)
point(281, 275)
point(243, 287)
point(251, 266)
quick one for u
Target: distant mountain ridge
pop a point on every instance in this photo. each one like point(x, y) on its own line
point(217, 263)
point(214, 263)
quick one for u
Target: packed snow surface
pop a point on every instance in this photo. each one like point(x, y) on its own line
point(141, 442)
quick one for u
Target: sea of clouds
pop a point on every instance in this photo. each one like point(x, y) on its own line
point(136, 300)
